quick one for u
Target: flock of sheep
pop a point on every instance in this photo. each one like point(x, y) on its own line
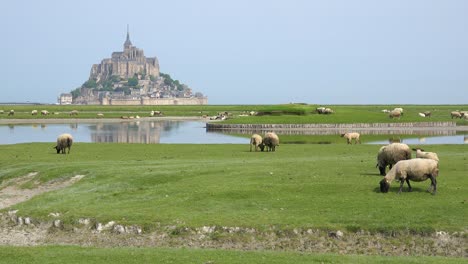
point(396, 156)
point(402, 168)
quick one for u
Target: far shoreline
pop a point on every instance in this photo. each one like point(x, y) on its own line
point(97, 120)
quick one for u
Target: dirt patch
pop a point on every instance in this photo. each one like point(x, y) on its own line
point(11, 192)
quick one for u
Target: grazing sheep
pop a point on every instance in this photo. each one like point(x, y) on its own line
point(427, 113)
point(44, 112)
point(421, 114)
point(350, 136)
point(2, 112)
point(399, 109)
point(12, 112)
point(64, 141)
point(100, 115)
point(420, 153)
point(271, 140)
point(414, 170)
point(256, 140)
point(252, 113)
point(385, 111)
point(456, 114)
point(74, 112)
point(34, 112)
point(391, 154)
point(394, 114)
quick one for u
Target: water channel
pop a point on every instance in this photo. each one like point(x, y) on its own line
point(155, 132)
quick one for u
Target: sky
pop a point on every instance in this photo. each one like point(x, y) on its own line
point(247, 51)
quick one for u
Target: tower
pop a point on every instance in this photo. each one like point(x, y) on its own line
point(127, 43)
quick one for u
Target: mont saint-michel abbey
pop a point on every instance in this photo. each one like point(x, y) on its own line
point(131, 78)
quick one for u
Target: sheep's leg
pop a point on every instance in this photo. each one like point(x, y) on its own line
point(401, 186)
point(433, 184)
point(409, 186)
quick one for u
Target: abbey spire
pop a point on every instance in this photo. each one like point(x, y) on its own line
point(127, 43)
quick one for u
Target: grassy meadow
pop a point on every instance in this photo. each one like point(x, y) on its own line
point(270, 114)
point(299, 186)
point(326, 187)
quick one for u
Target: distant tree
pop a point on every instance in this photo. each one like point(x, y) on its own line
point(75, 93)
point(198, 95)
point(91, 83)
point(132, 82)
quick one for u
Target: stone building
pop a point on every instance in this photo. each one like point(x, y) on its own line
point(125, 64)
point(65, 99)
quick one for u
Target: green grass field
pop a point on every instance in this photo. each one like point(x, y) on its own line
point(62, 254)
point(275, 114)
point(319, 186)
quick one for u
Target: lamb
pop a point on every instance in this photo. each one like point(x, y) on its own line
point(391, 154)
point(350, 136)
point(44, 112)
point(271, 140)
point(420, 153)
point(414, 170)
point(256, 140)
point(34, 112)
point(64, 141)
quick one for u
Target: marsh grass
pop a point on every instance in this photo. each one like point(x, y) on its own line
point(71, 254)
point(299, 186)
point(271, 114)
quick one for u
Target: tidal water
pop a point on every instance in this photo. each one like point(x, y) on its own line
point(146, 132)
point(156, 132)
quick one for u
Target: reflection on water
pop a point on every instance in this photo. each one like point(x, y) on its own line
point(147, 132)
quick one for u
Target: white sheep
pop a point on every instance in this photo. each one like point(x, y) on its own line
point(271, 140)
point(64, 141)
point(420, 153)
point(74, 112)
point(44, 112)
point(34, 112)
point(399, 109)
point(12, 112)
point(100, 115)
point(421, 114)
point(391, 154)
point(256, 140)
point(350, 136)
point(394, 114)
point(456, 114)
point(414, 170)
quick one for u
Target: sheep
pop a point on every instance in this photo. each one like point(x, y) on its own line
point(420, 153)
point(394, 114)
point(385, 111)
point(34, 112)
point(456, 114)
point(256, 140)
point(11, 113)
point(421, 114)
point(399, 109)
point(414, 170)
point(2, 112)
point(271, 140)
point(64, 141)
point(100, 115)
point(427, 113)
point(74, 112)
point(391, 154)
point(44, 112)
point(350, 136)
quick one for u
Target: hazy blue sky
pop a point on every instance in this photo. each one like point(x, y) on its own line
point(247, 52)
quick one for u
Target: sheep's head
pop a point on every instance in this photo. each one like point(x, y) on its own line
point(384, 186)
point(57, 148)
point(262, 146)
point(342, 135)
point(382, 170)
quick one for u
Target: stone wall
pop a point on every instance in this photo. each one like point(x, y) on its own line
point(157, 101)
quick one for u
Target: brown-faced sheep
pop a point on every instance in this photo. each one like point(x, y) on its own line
point(64, 141)
point(412, 170)
point(256, 140)
point(391, 154)
point(420, 153)
point(271, 140)
point(350, 136)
